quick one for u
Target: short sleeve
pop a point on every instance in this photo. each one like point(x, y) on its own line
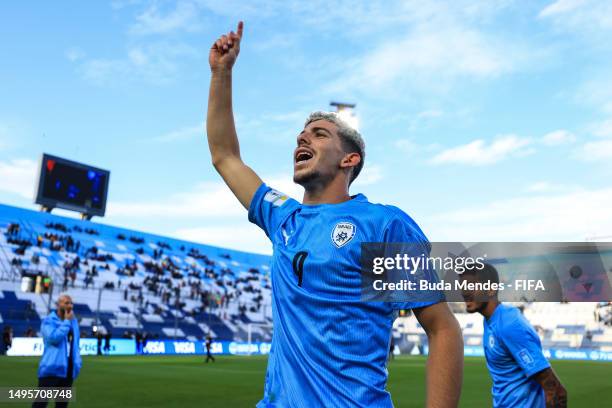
point(523, 343)
point(402, 229)
point(269, 208)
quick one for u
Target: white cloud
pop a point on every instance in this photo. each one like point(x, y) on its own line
point(422, 119)
point(558, 137)
point(431, 113)
point(597, 91)
point(371, 17)
point(599, 150)
point(409, 146)
point(275, 42)
point(406, 145)
point(560, 217)
point(184, 133)
point(539, 186)
point(3, 136)
point(282, 127)
point(13, 133)
point(602, 129)
point(430, 46)
point(547, 187)
point(206, 200)
point(18, 176)
point(371, 174)
point(246, 10)
point(580, 15)
point(561, 7)
point(408, 40)
point(156, 63)
point(479, 153)
point(120, 4)
point(74, 54)
point(184, 17)
point(291, 117)
point(430, 56)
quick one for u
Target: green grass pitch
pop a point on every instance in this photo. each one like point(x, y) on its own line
point(186, 381)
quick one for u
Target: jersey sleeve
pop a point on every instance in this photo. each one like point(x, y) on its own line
point(402, 229)
point(269, 208)
point(524, 344)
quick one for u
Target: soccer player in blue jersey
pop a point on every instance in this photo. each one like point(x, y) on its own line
point(329, 349)
point(522, 377)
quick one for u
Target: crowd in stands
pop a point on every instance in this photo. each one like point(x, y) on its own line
point(163, 277)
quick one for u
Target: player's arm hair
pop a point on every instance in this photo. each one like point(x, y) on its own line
point(221, 132)
point(445, 360)
point(554, 391)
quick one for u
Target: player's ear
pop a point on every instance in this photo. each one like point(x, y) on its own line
point(350, 160)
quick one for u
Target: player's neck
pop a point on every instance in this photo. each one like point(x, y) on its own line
point(334, 192)
point(489, 309)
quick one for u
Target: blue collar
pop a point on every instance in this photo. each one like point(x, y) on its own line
point(358, 198)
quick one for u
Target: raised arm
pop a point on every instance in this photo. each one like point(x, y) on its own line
point(220, 127)
point(445, 360)
point(555, 393)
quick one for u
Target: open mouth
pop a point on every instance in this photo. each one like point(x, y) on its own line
point(302, 156)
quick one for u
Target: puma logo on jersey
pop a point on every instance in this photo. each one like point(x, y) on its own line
point(343, 233)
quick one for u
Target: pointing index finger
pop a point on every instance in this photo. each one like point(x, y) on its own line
point(240, 28)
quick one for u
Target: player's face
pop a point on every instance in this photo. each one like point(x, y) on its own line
point(64, 304)
point(318, 154)
point(472, 298)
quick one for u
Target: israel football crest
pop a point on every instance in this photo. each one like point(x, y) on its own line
point(491, 341)
point(343, 233)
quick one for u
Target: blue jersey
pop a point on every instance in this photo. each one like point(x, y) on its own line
point(514, 354)
point(329, 348)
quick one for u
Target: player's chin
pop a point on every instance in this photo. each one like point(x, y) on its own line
point(302, 175)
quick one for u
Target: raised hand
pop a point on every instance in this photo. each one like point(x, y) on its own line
point(224, 51)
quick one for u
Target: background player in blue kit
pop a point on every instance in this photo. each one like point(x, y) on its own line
point(522, 377)
point(329, 348)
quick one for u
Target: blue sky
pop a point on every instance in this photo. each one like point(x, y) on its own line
point(484, 120)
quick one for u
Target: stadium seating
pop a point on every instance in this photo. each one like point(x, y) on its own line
point(559, 325)
point(124, 281)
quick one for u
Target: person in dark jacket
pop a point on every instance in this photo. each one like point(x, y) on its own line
point(61, 361)
point(99, 349)
point(107, 340)
point(7, 339)
point(209, 355)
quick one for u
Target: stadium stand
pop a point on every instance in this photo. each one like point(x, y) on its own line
point(130, 283)
point(584, 325)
